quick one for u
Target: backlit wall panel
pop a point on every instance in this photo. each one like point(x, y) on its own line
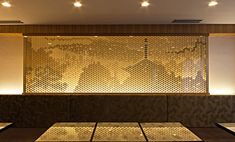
point(222, 65)
point(11, 63)
point(116, 64)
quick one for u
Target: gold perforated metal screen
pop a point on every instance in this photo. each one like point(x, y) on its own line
point(116, 64)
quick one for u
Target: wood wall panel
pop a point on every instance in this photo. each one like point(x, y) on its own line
point(127, 108)
point(117, 29)
point(200, 111)
point(44, 110)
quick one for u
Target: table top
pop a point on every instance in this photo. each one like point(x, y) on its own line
point(228, 126)
point(112, 132)
point(66, 132)
point(158, 132)
point(118, 132)
point(4, 125)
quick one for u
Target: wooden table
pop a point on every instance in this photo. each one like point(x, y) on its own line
point(4, 125)
point(229, 127)
point(66, 132)
point(168, 132)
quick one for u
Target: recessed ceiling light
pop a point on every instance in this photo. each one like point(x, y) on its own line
point(77, 4)
point(213, 3)
point(145, 4)
point(6, 4)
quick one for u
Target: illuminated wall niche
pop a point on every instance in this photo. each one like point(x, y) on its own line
point(116, 64)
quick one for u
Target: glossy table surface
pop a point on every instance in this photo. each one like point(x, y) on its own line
point(130, 132)
point(168, 132)
point(4, 125)
point(117, 132)
point(228, 126)
point(66, 132)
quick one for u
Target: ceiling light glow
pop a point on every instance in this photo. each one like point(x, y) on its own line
point(77, 4)
point(145, 4)
point(212, 3)
point(6, 4)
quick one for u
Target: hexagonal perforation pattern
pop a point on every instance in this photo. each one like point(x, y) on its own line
point(116, 64)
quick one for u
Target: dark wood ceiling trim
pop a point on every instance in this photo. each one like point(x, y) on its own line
point(117, 29)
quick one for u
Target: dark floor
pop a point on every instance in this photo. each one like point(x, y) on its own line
point(31, 134)
point(213, 134)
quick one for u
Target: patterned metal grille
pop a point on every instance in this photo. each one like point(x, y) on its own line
point(116, 64)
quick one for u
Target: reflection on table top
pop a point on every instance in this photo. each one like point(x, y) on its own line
point(228, 126)
point(65, 132)
point(118, 132)
point(4, 125)
point(70, 124)
point(168, 132)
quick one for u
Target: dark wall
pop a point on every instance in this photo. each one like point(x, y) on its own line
point(44, 110)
